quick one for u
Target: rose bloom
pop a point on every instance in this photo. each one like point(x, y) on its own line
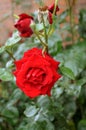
point(36, 74)
point(23, 25)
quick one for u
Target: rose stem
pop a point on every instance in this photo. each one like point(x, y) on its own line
point(56, 1)
point(44, 44)
point(11, 55)
point(46, 38)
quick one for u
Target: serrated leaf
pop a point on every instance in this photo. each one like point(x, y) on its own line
point(71, 64)
point(13, 40)
point(67, 72)
point(5, 75)
point(30, 111)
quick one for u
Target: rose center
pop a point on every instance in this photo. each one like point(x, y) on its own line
point(36, 75)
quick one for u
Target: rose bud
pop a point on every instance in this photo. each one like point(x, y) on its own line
point(51, 9)
point(35, 74)
point(23, 25)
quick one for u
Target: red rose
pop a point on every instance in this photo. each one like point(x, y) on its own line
point(51, 9)
point(23, 25)
point(35, 74)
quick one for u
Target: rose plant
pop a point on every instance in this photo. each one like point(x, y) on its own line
point(46, 79)
point(36, 77)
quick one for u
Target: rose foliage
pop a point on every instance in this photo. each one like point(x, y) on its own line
point(42, 83)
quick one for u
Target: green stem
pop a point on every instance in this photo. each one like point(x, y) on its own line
point(41, 34)
point(56, 2)
point(44, 44)
point(45, 32)
point(11, 55)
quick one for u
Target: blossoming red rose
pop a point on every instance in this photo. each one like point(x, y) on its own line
point(35, 74)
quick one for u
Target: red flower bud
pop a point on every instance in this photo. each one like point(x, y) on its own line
point(23, 25)
point(51, 8)
point(50, 19)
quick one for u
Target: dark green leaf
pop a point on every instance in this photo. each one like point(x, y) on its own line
point(67, 72)
point(82, 125)
point(10, 112)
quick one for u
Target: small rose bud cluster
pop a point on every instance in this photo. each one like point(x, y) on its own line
point(25, 20)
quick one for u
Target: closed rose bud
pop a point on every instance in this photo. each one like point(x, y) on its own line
point(23, 25)
point(51, 8)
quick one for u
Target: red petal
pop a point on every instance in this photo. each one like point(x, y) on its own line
point(23, 16)
point(51, 8)
point(50, 17)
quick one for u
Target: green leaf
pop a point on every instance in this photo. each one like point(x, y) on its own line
point(10, 112)
point(82, 125)
point(71, 64)
point(16, 95)
point(5, 75)
point(67, 72)
point(2, 49)
point(13, 40)
point(42, 100)
point(9, 64)
point(71, 125)
point(39, 26)
point(81, 81)
point(30, 111)
point(73, 90)
point(57, 91)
